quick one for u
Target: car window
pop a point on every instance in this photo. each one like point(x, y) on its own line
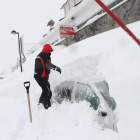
point(103, 88)
point(80, 92)
point(65, 89)
point(85, 92)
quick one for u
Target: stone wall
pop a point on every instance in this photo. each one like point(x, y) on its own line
point(128, 12)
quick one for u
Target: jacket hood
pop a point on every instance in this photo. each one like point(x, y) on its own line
point(47, 48)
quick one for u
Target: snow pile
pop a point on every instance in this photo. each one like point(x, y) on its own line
point(116, 58)
point(58, 122)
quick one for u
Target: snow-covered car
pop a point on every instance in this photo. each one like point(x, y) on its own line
point(73, 90)
point(96, 93)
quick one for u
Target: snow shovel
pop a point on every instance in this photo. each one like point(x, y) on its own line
point(27, 85)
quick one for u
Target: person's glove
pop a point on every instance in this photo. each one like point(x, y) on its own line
point(58, 69)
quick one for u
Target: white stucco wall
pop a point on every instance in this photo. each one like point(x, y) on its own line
point(66, 8)
point(77, 1)
point(71, 3)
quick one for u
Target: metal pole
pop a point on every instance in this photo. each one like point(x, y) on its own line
point(118, 21)
point(19, 52)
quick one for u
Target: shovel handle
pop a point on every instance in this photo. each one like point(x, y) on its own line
point(27, 86)
point(29, 108)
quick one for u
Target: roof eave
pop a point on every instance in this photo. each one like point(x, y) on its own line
point(63, 5)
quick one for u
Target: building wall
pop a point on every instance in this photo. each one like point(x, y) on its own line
point(77, 1)
point(66, 8)
point(69, 5)
point(128, 12)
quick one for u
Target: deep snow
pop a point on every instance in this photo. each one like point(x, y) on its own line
point(112, 55)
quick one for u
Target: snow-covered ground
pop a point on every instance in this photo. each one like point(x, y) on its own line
point(112, 55)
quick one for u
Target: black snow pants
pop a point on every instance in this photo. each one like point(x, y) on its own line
point(46, 91)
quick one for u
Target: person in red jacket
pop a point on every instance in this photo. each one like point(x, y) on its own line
point(41, 74)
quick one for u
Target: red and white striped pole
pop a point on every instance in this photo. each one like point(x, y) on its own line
point(118, 21)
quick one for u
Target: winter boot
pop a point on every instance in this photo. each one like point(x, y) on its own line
point(40, 99)
point(46, 102)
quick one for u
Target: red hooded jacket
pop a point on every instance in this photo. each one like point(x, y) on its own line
point(44, 59)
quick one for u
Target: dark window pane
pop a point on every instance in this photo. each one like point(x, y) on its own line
point(103, 88)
